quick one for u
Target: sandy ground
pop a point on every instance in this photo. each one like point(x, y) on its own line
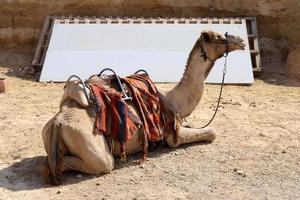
point(256, 154)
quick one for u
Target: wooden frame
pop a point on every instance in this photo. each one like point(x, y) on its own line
point(43, 42)
point(46, 32)
point(253, 44)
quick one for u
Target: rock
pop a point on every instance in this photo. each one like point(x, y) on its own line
point(241, 173)
point(58, 192)
point(3, 85)
point(79, 176)
point(97, 183)
point(272, 80)
point(262, 135)
point(283, 151)
point(182, 174)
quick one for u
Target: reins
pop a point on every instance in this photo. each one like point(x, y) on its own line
point(222, 84)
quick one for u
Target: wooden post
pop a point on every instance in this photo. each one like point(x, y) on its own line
point(38, 50)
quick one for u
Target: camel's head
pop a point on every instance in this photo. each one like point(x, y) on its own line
point(214, 44)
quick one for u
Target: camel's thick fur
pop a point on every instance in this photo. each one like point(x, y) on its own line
point(68, 137)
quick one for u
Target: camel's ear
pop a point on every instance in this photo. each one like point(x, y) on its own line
point(207, 36)
point(74, 91)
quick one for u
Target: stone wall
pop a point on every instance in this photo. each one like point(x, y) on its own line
point(21, 20)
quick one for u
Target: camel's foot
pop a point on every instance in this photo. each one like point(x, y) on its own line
point(49, 178)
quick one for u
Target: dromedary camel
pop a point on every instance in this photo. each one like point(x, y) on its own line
point(68, 137)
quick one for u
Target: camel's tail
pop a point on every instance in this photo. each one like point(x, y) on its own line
point(54, 161)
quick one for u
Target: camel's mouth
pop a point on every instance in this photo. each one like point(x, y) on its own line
point(242, 45)
point(236, 42)
point(239, 43)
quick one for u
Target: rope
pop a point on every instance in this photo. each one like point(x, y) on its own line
point(220, 94)
point(222, 85)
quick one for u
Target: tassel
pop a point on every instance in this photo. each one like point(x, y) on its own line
point(145, 152)
point(144, 157)
point(123, 157)
point(123, 153)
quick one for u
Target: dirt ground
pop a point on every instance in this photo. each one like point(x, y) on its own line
point(256, 154)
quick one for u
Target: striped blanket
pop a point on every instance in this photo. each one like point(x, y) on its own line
point(115, 120)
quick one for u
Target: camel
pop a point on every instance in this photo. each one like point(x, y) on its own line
point(68, 137)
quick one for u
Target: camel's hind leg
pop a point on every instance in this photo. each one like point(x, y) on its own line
point(71, 145)
point(189, 135)
point(89, 153)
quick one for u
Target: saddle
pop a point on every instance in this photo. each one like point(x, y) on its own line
point(110, 96)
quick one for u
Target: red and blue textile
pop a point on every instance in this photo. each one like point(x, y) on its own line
point(113, 118)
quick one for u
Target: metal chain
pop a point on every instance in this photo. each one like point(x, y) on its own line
point(221, 90)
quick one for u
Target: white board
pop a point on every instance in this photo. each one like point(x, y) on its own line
point(160, 49)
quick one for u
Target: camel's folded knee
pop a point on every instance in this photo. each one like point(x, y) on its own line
point(100, 169)
point(104, 168)
point(92, 164)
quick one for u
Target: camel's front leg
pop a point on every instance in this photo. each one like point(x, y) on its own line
point(189, 135)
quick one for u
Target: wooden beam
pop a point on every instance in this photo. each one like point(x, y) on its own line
point(38, 50)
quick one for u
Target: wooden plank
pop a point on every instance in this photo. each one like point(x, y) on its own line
point(256, 44)
point(257, 69)
point(41, 61)
point(254, 51)
point(252, 36)
point(37, 53)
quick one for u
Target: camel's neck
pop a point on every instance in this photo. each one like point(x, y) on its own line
point(186, 95)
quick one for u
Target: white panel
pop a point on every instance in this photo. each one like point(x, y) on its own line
point(161, 49)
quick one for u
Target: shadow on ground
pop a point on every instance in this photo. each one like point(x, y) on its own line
point(26, 174)
point(22, 175)
point(17, 63)
point(281, 79)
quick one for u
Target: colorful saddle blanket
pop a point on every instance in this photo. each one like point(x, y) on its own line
point(116, 121)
